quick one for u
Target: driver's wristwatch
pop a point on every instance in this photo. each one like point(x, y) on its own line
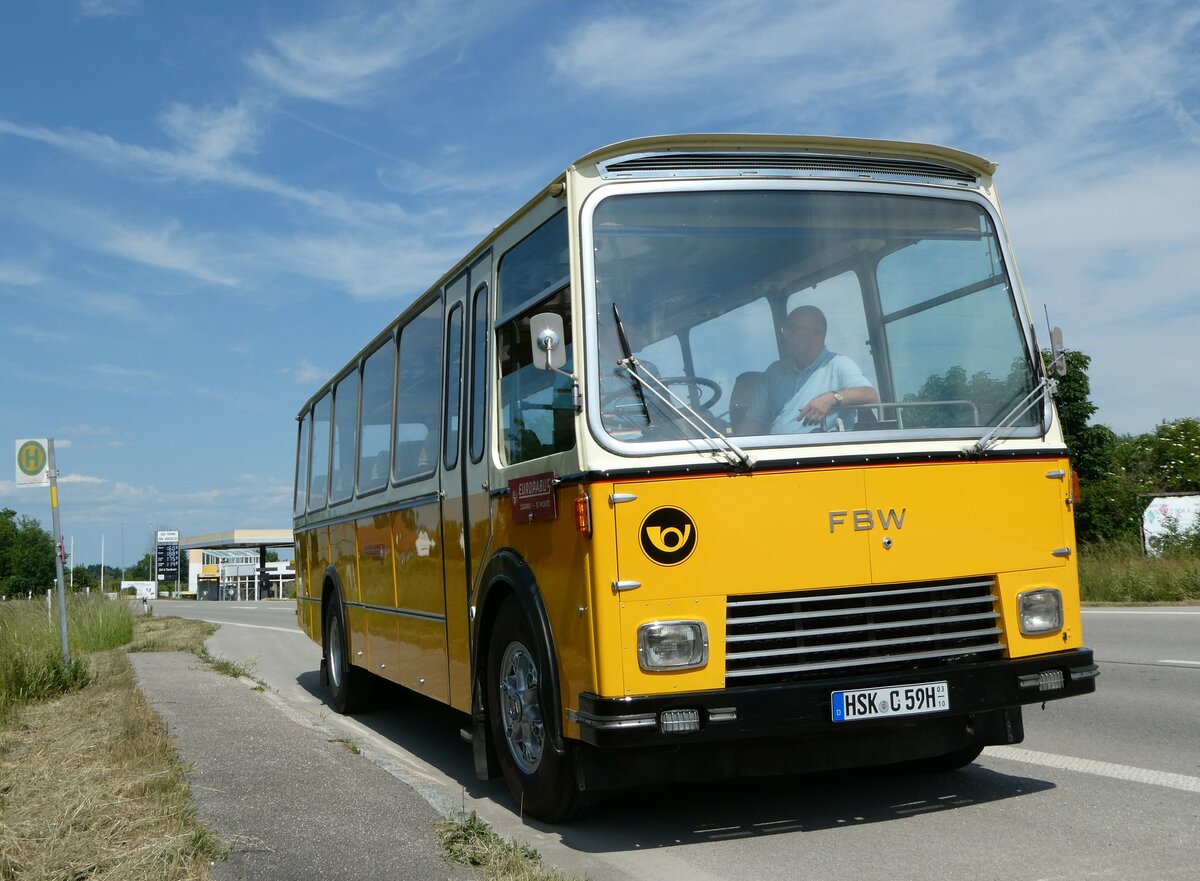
point(837, 396)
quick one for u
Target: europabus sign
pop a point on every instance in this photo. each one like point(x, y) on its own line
point(533, 498)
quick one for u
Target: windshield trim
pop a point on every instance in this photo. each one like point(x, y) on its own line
point(776, 446)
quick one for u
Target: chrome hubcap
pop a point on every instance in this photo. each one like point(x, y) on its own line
point(335, 653)
point(520, 707)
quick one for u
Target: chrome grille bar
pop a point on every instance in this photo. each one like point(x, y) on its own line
point(782, 637)
point(862, 628)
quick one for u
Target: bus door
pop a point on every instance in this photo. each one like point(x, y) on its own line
point(466, 518)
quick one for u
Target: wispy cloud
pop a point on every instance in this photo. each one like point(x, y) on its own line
point(722, 47)
point(367, 267)
point(107, 8)
point(209, 140)
point(38, 334)
point(306, 373)
point(342, 58)
point(19, 275)
point(160, 247)
point(118, 372)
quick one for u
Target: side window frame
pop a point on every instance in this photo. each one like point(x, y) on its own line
point(453, 376)
point(355, 377)
point(478, 387)
point(303, 464)
point(433, 312)
point(327, 399)
point(391, 421)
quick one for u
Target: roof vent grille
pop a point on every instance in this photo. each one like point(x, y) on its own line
point(779, 165)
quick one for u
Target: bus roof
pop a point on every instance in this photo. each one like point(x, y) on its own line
point(815, 144)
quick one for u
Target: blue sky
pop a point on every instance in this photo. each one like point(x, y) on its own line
point(206, 209)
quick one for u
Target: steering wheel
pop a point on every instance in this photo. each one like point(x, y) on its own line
point(619, 399)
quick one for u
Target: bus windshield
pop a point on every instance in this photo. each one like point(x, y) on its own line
point(805, 315)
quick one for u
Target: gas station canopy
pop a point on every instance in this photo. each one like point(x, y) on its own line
point(238, 538)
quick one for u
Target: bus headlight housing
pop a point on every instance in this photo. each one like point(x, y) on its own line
point(1040, 611)
point(672, 645)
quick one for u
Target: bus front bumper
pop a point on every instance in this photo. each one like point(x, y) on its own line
point(804, 709)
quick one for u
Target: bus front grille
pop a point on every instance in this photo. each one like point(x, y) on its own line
point(773, 638)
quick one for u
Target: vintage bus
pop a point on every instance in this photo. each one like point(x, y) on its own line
point(724, 455)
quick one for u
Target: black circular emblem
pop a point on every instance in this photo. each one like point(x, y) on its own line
point(668, 536)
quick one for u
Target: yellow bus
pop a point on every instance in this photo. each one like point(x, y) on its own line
point(724, 455)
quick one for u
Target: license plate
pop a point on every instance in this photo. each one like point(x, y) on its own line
point(895, 700)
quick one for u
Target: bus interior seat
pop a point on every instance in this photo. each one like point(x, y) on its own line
point(373, 469)
point(745, 387)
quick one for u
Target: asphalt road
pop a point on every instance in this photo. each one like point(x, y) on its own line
point(1105, 786)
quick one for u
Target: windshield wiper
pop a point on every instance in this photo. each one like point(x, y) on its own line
point(733, 454)
point(1043, 390)
point(625, 350)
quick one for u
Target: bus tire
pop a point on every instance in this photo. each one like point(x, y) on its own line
point(950, 761)
point(540, 777)
point(348, 686)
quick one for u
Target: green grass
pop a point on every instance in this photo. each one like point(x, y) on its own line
point(468, 841)
point(31, 664)
point(1122, 574)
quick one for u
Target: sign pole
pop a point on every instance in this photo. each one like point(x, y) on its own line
point(58, 563)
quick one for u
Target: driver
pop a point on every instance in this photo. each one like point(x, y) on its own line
point(810, 386)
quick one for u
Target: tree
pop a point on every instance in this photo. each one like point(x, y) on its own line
point(1175, 455)
point(26, 555)
point(142, 570)
point(1111, 468)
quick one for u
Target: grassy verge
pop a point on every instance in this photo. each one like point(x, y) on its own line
point(90, 786)
point(31, 664)
point(1119, 574)
point(468, 841)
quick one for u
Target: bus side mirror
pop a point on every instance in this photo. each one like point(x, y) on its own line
point(1057, 352)
point(546, 335)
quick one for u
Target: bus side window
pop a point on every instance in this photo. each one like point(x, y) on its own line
point(318, 480)
point(419, 394)
point(345, 433)
point(375, 426)
point(537, 415)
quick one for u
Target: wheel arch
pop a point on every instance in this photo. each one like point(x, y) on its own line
point(508, 575)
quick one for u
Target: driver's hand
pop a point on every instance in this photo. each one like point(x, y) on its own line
point(815, 411)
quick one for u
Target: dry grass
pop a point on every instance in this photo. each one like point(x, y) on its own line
point(170, 635)
point(90, 786)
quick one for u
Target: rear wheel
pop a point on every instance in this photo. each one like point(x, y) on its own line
point(540, 777)
point(348, 684)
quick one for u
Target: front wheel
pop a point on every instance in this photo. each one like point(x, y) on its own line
point(539, 776)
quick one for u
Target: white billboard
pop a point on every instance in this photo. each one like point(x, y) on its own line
point(1166, 516)
point(143, 590)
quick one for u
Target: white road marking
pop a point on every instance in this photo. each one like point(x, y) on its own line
point(1181, 663)
point(1168, 611)
point(1100, 769)
point(256, 626)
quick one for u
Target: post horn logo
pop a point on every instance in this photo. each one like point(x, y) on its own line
point(668, 536)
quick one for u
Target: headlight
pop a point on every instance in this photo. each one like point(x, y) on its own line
point(1041, 611)
point(672, 645)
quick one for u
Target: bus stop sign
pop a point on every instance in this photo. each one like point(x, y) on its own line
point(32, 462)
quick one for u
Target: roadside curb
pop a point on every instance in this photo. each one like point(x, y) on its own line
point(284, 795)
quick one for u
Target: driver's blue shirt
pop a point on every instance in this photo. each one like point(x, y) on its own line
point(785, 389)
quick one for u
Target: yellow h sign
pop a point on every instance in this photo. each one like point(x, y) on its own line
point(32, 462)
